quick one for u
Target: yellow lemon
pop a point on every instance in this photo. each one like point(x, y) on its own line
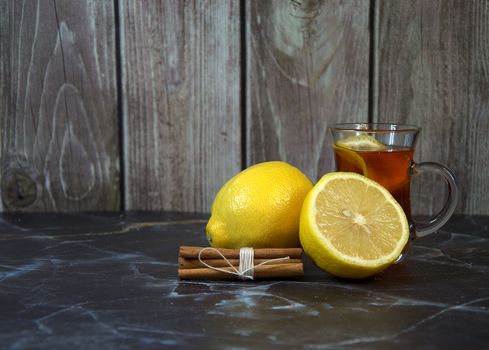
point(351, 226)
point(259, 207)
point(347, 149)
point(362, 143)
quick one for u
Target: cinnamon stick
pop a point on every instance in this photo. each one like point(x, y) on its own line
point(260, 253)
point(260, 272)
point(186, 263)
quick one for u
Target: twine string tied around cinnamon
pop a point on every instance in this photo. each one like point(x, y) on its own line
point(246, 267)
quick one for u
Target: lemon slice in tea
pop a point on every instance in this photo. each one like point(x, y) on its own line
point(350, 160)
point(351, 226)
point(362, 143)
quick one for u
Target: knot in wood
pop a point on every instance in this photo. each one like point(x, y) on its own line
point(19, 190)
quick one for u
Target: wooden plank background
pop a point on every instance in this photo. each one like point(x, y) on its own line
point(184, 94)
point(58, 122)
point(181, 93)
point(307, 68)
point(432, 68)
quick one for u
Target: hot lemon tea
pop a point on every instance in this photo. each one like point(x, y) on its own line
point(384, 153)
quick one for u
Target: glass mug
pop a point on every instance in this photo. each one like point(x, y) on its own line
point(384, 152)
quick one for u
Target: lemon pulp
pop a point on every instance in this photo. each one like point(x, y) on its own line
point(351, 226)
point(362, 143)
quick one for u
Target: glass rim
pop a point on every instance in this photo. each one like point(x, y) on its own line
point(374, 127)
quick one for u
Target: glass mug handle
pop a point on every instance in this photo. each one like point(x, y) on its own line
point(436, 222)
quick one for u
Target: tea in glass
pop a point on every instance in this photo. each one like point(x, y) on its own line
point(384, 153)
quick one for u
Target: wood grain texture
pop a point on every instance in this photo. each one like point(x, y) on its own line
point(181, 85)
point(432, 69)
point(58, 119)
point(307, 68)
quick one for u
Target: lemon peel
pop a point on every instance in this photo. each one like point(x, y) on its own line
point(259, 207)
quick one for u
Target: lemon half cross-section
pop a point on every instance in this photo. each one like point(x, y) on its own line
point(351, 226)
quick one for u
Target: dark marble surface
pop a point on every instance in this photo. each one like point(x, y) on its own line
point(109, 281)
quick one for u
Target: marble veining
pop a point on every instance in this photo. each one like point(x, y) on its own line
point(109, 281)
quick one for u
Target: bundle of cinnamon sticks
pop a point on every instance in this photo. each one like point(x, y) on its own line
point(190, 267)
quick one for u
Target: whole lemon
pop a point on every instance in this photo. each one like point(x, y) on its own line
point(259, 207)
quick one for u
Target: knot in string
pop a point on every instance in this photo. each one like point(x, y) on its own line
point(246, 268)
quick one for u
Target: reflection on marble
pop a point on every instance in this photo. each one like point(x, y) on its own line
point(110, 281)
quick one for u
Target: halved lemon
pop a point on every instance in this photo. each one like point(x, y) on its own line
point(351, 226)
point(362, 143)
